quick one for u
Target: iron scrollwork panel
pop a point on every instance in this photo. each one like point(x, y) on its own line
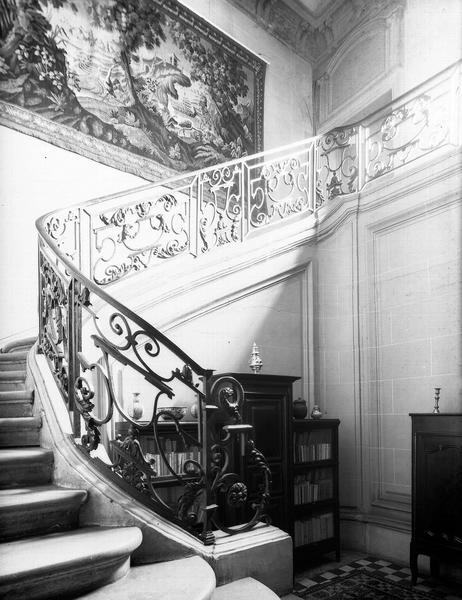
point(337, 164)
point(54, 322)
point(408, 132)
point(220, 207)
point(119, 341)
point(279, 188)
point(63, 227)
point(129, 238)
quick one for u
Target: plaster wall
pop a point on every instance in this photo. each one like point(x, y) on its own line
point(36, 178)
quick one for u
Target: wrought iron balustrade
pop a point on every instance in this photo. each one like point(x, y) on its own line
point(100, 352)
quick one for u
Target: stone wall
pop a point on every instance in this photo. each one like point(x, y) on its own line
point(388, 331)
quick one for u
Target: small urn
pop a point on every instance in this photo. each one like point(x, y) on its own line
point(255, 362)
point(300, 409)
point(316, 412)
point(136, 409)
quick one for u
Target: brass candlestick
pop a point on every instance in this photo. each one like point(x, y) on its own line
point(436, 409)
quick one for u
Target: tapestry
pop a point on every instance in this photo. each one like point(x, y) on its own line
point(146, 86)
point(367, 585)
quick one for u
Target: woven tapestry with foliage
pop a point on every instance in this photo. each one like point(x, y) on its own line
point(143, 85)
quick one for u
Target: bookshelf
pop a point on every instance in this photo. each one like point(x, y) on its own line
point(176, 451)
point(314, 487)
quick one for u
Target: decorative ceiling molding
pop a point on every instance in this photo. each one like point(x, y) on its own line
point(313, 38)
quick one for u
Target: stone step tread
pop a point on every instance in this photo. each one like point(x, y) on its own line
point(185, 578)
point(19, 423)
point(48, 554)
point(12, 375)
point(16, 404)
point(21, 455)
point(31, 511)
point(34, 496)
point(16, 408)
point(11, 395)
point(244, 589)
point(25, 466)
point(19, 356)
point(10, 385)
point(20, 345)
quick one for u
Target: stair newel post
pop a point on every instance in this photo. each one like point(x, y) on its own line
point(207, 409)
point(74, 347)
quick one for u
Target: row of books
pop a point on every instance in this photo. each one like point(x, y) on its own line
point(175, 459)
point(313, 487)
point(312, 452)
point(314, 529)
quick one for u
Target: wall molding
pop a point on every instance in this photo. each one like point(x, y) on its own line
point(386, 22)
point(382, 498)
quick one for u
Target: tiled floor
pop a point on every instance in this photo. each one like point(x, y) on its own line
point(322, 572)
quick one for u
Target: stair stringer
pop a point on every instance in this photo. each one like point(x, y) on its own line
point(264, 553)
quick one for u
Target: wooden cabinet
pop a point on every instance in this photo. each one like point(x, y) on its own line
point(314, 487)
point(267, 406)
point(436, 489)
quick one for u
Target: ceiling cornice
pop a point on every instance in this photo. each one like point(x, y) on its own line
point(314, 39)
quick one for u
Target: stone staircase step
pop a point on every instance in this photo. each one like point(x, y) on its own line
point(25, 466)
point(65, 564)
point(16, 404)
point(38, 510)
point(20, 431)
point(182, 579)
point(244, 589)
point(12, 380)
point(13, 361)
point(21, 345)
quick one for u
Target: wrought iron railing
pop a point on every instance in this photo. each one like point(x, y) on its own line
point(101, 352)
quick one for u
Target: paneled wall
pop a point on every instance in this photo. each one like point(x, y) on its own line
point(389, 306)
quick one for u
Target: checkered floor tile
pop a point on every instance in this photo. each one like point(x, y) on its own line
point(387, 569)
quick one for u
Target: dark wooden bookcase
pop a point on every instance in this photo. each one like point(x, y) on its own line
point(314, 488)
point(436, 490)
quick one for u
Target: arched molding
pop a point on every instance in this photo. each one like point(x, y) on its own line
point(364, 67)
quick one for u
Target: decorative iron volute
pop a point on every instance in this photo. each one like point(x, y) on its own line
point(227, 393)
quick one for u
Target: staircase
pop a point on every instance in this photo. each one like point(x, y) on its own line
point(44, 554)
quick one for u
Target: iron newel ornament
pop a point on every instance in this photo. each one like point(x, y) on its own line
point(227, 431)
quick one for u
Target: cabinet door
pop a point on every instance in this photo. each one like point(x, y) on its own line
point(267, 416)
point(438, 516)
